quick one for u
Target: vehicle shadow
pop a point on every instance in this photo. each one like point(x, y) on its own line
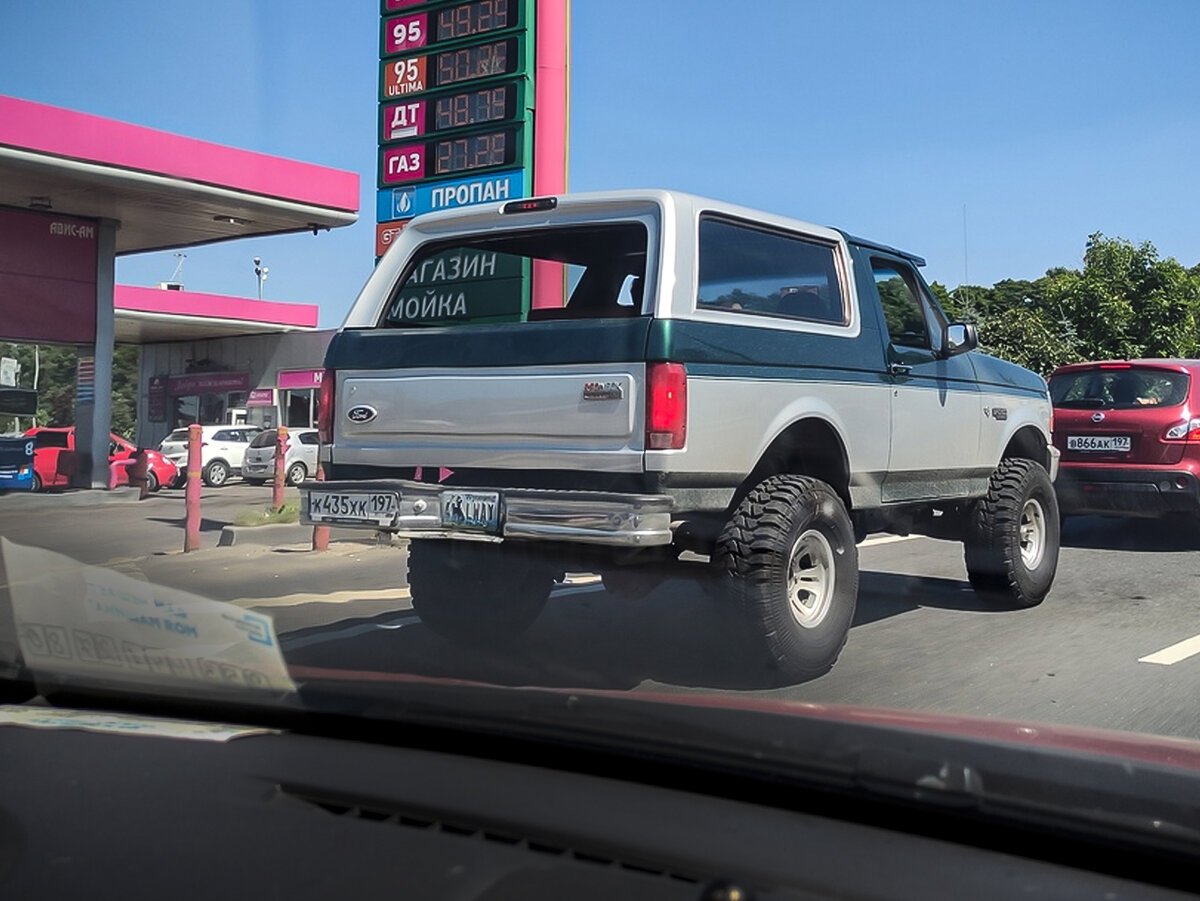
point(593, 638)
point(1115, 533)
point(206, 525)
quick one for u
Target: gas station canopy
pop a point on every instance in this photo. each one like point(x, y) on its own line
point(164, 190)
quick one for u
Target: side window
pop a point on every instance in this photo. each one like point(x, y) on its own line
point(903, 310)
point(224, 435)
point(767, 273)
point(310, 438)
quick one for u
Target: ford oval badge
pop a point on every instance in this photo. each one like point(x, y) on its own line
point(361, 413)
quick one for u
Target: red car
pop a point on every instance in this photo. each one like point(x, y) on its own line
point(1129, 434)
point(52, 470)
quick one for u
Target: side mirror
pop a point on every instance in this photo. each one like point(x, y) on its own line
point(958, 338)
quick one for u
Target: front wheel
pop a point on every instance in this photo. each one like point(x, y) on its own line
point(789, 556)
point(476, 593)
point(1013, 533)
point(216, 474)
point(151, 481)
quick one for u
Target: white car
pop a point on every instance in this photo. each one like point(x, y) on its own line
point(299, 464)
point(222, 449)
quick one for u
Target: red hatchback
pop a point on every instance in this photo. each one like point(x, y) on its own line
point(1129, 434)
point(53, 459)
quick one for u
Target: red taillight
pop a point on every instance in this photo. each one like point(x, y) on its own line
point(666, 406)
point(325, 406)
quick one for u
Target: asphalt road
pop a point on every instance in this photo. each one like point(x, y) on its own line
point(1108, 648)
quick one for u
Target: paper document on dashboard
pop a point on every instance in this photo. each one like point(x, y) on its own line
point(79, 620)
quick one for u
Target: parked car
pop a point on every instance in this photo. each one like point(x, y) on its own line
point(299, 463)
point(52, 470)
point(1129, 434)
point(222, 449)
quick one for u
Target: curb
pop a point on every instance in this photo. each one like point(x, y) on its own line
point(74, 497)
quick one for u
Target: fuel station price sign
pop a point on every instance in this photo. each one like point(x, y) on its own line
point(468, 108)
point(460, 21)
point(418, 74)
point(450, 156)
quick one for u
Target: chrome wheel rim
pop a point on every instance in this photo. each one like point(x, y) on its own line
point(810, 579)
point(1032, 534)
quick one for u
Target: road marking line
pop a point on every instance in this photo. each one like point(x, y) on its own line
point(887, 539)
point(1182, 650)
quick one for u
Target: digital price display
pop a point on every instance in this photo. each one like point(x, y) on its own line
point(449, 156)
point(412, 118)
point(418, 74)
point(473, 152)
point(466, 20)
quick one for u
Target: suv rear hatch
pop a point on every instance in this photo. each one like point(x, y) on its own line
point(1121, 413)
point(476, 361)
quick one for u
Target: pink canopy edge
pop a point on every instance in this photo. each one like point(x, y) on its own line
point(27, 125)
point(213, 306)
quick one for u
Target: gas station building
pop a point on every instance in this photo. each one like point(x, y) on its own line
point(77, 190)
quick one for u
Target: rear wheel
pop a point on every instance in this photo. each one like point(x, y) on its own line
point(1011, 548)
point(474, 592)
point(37, 482)
point(790, 560)
point(296, 473)
point(216, 474)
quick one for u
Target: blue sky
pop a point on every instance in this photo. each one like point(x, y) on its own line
point(1042, 121)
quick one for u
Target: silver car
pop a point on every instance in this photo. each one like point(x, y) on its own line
point(258, 466)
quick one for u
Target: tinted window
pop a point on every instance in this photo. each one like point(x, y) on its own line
point(598, 270)
point(50, 439)
point(903, 311)
point(225, 435)
point(754, 271)
point(310, 438)
point(177, 435)
point(1119, 388)
point(264, 439)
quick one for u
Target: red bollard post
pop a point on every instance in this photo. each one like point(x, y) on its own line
point(191, 532)
point(281, 449)
point(137, 474)
point(320, 538)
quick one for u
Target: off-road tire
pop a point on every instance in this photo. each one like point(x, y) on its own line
point(476, 593)
point(790, 562)
point(216, 473)
point(1013, 535)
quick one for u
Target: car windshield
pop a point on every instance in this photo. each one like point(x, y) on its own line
point(689, 381)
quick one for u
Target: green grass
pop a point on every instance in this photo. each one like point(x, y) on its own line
point(264, 516)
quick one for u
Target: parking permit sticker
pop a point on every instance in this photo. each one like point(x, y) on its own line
point(123, 724)
point(79, 620)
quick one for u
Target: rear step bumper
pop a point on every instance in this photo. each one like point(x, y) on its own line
point(424, 510)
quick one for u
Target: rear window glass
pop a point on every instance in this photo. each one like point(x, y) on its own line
point(177, 435)
point(749, 270)
point(50, 439)
point(264, 439)
point(1119, 388)
point(562, 273)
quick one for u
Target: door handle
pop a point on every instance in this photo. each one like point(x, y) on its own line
point(899, 369)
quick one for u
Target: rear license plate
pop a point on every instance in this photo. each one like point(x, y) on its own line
point(474, 510)
point(1109, 443)
point(377, 508)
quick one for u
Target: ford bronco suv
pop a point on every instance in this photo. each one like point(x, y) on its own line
point(632, 383)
